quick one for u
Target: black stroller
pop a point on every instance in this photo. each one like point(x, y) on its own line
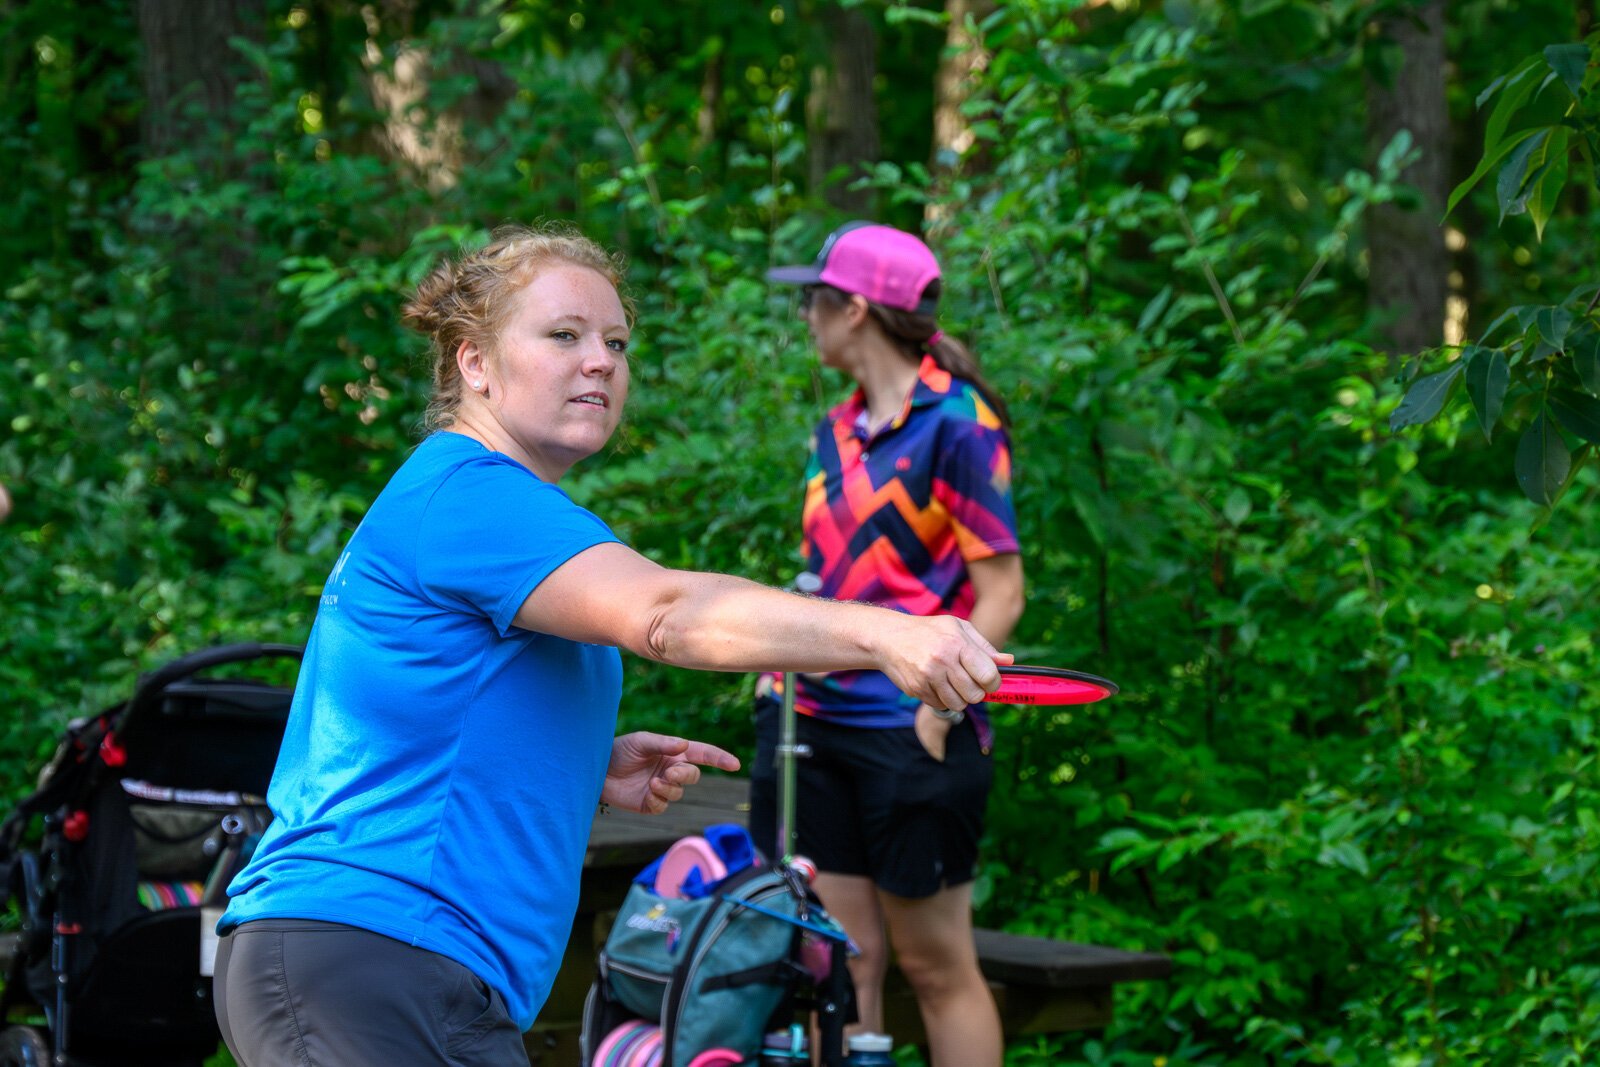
point(148, 811)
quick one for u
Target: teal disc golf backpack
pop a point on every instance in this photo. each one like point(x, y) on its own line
point(714, 972)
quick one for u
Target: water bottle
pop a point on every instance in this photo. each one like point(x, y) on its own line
point(871, 1050)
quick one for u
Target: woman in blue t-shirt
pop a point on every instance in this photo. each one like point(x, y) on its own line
point(452, 727)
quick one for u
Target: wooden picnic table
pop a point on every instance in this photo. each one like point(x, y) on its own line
point(1040, 985)
point(622, 843)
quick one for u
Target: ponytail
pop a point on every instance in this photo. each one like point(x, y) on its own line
point(916, 333)
point(957, 359)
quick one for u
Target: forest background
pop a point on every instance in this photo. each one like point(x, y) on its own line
point(1350, 783)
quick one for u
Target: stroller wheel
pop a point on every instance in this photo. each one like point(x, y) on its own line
point(24, 1046)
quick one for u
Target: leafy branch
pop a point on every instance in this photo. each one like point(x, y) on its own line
point(1544, 128)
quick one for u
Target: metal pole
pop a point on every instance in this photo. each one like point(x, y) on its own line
point(788, 751)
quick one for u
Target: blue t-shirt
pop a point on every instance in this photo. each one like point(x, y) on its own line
point(440, 769)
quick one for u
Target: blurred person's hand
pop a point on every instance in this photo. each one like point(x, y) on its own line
point(5, 503)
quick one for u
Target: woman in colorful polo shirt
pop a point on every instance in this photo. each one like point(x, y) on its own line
point(907, 505)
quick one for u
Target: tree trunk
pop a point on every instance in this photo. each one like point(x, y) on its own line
point(190, 69)
point(430, 143)
point(708, 118)
point(961, 66)
point(842, 111)
point(1409, 266)
point(190, 72)
point(400, 71)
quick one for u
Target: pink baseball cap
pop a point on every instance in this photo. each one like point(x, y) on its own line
point(883, 264)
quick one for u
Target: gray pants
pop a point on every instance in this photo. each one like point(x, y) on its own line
point(297, 993)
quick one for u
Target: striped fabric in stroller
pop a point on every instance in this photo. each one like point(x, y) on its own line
point(190, 842)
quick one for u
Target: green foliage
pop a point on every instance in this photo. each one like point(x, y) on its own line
point(1545, 119)
point(1350, 782)
point(1285, 796)
point(1539, 106)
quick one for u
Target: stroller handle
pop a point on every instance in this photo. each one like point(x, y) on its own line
point(152, 685)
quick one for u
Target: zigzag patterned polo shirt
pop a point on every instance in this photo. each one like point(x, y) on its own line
point(893, 518)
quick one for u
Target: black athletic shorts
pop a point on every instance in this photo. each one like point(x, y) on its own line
point(873, 802)
point(297, 993)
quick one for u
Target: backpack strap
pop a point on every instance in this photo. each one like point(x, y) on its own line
point(777, 972)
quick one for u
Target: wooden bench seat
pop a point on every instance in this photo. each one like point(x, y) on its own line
point(1023, 960)
point(1040, 986)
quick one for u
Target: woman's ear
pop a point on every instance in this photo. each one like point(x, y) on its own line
point(473, 366)
point(856, 311)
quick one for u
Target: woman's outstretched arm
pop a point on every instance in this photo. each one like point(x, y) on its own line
point(609, 594)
